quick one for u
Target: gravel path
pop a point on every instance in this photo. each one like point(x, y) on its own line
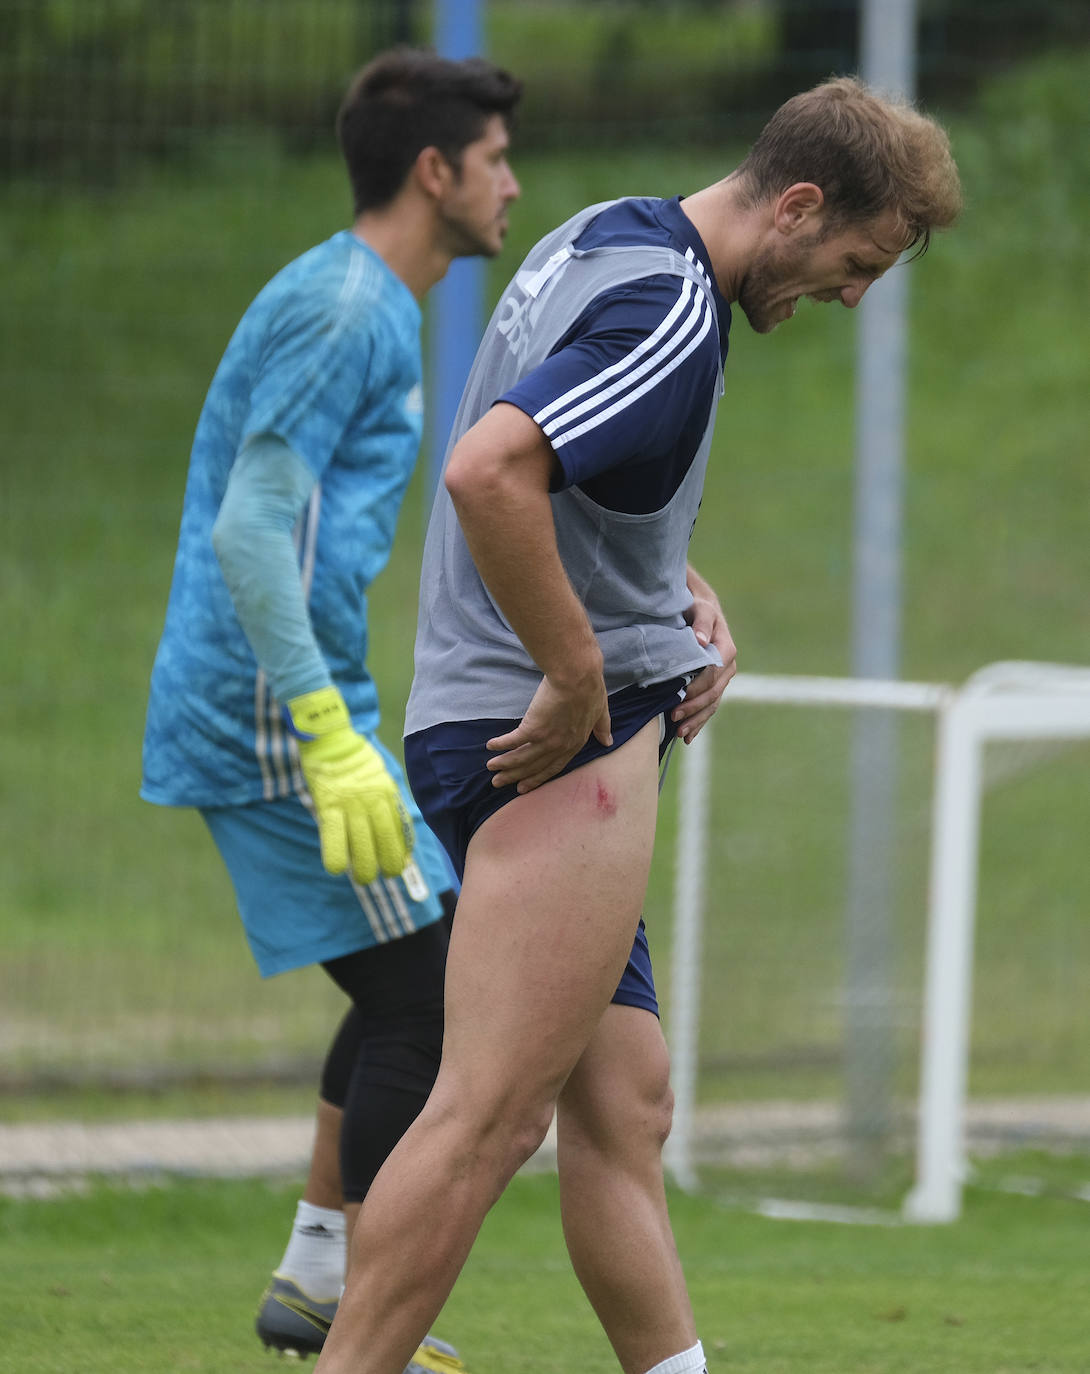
point(41, 1159)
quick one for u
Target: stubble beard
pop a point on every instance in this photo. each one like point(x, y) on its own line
point(469, 242)
point(757, 296)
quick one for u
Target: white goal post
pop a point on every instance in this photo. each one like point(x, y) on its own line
point(1004, 701)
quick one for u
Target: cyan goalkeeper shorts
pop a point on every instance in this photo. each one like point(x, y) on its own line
point(293, 911)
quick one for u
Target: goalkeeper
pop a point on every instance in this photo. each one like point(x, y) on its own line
point(262, 711)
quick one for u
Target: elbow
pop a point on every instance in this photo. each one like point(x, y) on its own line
point(232, 543)
point(504, 460)
point(224, 537)
point(221, 537)
point(471, 478)
point(462, 474)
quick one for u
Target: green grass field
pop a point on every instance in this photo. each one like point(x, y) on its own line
point(138, 1281)
point(119, 946)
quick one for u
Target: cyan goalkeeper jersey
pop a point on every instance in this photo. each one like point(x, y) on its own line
point(327, 358)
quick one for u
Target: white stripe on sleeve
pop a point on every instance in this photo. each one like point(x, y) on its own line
point(652, 381)
point(629, 360)
point(657, 365)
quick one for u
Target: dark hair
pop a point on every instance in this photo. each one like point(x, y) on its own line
point(867, 154)
point(409, 99)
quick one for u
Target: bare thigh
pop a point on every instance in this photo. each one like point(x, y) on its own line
point(554, 884)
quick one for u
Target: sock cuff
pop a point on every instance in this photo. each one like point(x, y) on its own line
point(689, 1361)
point(330, 1219)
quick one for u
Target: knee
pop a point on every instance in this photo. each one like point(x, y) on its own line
point(661, 1116)
point(647, 1109)
point(653, 1105)
point(529, 1133)
point(507, 1128)
point(634, 1110)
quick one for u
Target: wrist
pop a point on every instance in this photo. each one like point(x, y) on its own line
point(579, 670)
point(317, 713)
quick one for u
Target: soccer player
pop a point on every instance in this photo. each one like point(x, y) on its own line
point(562, 640)
point(262, 712)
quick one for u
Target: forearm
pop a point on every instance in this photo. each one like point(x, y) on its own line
point(253, 541)
point(505, 513)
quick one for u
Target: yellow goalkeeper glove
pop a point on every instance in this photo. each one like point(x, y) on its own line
point(362, 821)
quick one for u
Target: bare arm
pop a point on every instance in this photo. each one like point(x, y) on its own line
point(704, 692)
point(498, 479)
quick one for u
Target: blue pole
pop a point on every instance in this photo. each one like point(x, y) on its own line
point(455, 311)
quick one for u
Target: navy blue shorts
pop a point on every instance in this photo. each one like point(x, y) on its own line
point(445, 765)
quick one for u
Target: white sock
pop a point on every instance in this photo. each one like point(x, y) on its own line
point(688, 1362)
point(314, 1258)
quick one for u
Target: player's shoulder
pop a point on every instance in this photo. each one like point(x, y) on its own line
point(659, 305)
point(651, 222)
point(637, 221)
point(343, 284)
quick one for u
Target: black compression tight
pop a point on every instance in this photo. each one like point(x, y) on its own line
point(385, 1055)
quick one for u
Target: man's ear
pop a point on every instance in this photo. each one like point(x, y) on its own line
point(433, 172)
point(797, 207)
